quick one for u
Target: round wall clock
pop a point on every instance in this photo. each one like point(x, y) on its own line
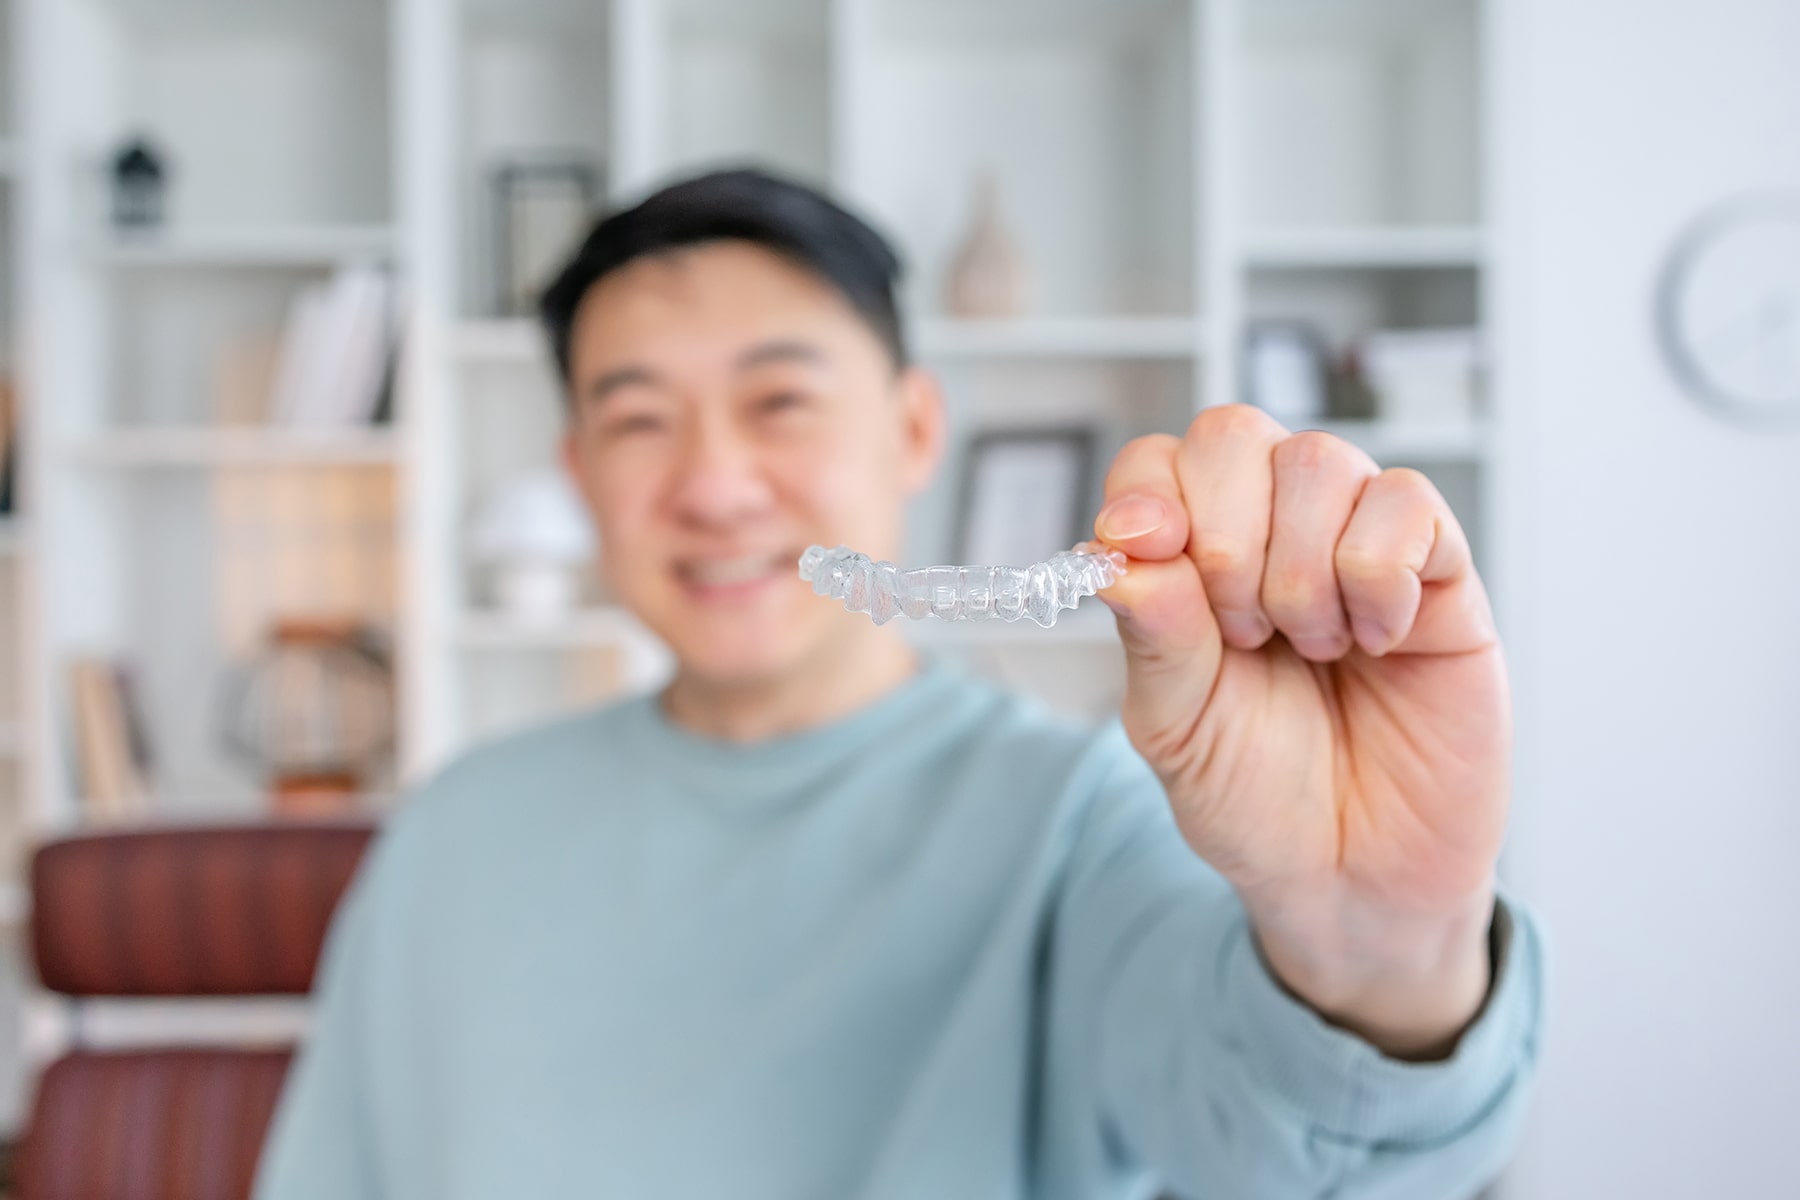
point(1728, 308)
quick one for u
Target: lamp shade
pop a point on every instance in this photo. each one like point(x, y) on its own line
point(537, 517)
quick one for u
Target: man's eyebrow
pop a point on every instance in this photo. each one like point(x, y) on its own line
point(614, 380)
point(780, 351)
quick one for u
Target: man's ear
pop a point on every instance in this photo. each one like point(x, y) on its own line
point(922, 427)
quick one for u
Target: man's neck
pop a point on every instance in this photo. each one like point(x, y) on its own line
point(836, 682)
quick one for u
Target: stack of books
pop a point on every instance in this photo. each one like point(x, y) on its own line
point(332, 369)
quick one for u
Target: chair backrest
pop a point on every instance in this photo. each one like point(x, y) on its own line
point(173, 912)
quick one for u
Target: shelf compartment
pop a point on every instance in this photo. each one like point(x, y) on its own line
point(1117, 399)
point(1361, 113)
point(1084, 117)
point(178, 574)
point(1347, 302)
point(745, 84)
point(268, 114)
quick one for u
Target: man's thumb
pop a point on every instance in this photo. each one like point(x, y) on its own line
point(1173, 649)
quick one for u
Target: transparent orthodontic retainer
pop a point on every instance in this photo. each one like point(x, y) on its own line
point(884, 591)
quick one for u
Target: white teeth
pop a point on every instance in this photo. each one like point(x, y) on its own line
point(723, 572)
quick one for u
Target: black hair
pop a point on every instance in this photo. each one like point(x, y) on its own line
point(795, 221)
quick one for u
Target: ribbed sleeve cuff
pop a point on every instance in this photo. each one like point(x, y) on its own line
point(1351, 1091)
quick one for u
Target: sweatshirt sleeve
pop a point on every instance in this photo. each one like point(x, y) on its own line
point(320, 1142)
point(1211, 1077)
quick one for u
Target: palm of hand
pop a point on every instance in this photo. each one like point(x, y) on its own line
point(1385, 774)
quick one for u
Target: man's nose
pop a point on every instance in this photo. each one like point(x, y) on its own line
point(719, 477)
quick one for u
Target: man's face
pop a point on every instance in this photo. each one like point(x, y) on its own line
point(729, 409)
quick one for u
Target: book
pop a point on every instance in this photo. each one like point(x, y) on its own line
point(112, 749)
point(297, 362)
point(359, 357)
point(333, 363)
point(9, 450)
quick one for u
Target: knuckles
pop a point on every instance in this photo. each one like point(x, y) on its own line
point(1219, 555)
point(1406, 481)
point(1364, 562)
point(1313, 451)
point(1236, 421)
point(1292, 596)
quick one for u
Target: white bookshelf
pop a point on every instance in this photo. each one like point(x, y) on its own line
point(1170, 168)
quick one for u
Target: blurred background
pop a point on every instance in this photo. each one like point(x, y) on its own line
point(281, 536)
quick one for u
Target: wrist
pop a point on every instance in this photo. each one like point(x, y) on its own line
point(1408, 982)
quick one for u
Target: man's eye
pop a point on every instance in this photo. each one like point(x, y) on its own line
point(781, 402)
point(627, 425)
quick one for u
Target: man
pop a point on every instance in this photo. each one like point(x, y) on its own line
point(822, 920)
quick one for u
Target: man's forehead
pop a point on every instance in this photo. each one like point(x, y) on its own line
point(742, 309)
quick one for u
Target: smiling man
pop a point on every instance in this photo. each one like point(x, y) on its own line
point(822, 919)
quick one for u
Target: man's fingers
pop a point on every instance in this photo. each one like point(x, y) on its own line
point(1227, 477)
point(1143, 514)
point(1401, 538)
point(1318, 479)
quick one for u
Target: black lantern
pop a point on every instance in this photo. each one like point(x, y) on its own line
point(139, 182)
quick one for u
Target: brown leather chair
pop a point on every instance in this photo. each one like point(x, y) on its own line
point(238, 911)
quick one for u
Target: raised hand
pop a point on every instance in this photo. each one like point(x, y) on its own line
point(1314, 673)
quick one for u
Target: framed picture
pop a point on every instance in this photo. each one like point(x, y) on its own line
point(542, 209)
point(1287, 371)
point(1024, 495)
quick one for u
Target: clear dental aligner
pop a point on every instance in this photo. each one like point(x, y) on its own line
point(884, 591)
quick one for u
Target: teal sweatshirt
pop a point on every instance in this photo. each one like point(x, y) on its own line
point(945, 947)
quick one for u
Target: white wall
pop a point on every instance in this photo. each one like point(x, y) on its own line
point(1656, 621)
